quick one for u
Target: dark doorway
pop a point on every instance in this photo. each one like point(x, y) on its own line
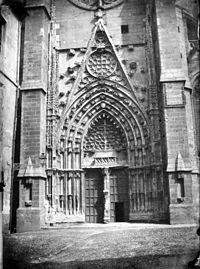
point(119, 212)
point(119, 204)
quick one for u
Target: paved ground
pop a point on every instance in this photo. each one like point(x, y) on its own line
point(103, 246)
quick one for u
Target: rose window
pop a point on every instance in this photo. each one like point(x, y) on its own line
point(101, 64)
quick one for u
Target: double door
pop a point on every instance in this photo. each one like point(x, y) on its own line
point(94, 195)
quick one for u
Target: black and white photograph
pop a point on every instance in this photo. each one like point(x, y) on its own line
point(99, 134)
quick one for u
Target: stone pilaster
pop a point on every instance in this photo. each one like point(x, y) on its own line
point(106, 192)
point(10, 20)
point(175, 108)
point(30, 214)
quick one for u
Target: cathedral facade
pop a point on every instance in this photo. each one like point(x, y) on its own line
point(105, 123)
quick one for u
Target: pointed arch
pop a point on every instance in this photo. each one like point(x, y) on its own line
point(129, 115)
point(105, 113)
point(90, 100)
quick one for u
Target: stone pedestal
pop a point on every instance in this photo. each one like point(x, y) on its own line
point(182, 214)
point(30, 219)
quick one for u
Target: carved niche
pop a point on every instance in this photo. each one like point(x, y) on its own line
point(94, 4)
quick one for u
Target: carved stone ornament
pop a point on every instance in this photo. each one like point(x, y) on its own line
point(95, 4)
point(101, 64)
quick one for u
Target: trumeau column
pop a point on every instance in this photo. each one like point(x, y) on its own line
point(106, 191)
point(172, 80)
point(30, 214)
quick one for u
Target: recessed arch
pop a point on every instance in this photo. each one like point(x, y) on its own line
point(101, 112)
point(106, 139)
point(130, 114)
point(119, 91)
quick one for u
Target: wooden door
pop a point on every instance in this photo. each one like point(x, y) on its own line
point(94, 199)
point(119, 198)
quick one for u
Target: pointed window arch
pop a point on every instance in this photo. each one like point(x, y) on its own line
point(105, 134)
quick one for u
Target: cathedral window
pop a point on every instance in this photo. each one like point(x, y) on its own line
point(124, 29)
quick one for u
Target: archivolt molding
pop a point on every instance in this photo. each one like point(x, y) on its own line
point(91, 100)
point(137, 136)
point(109, 88)
point(117, 114)
point(95, 4)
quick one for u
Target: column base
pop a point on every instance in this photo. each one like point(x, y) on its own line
point(30, 219)
point(149, 217)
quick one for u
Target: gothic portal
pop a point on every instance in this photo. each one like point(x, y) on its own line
point(104, 150)
point(107, 123)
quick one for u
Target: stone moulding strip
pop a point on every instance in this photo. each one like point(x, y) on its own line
point(164, 78)
point(158, 165)
point(33, 89)
point(65, 170)
point(49, 170)
point(105, 166)
point(187, 170)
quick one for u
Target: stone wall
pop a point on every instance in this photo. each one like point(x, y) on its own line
point(30, 214)
point(9, 58)
point(151, 49)
point(179, 123)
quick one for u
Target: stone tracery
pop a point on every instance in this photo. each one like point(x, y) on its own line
point(101, 64)
point(104, 135)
